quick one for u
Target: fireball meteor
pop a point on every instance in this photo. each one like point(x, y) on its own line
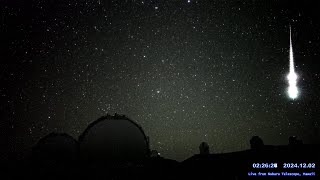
point(292, 76)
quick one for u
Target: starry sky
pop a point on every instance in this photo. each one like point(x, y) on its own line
point(187, 71)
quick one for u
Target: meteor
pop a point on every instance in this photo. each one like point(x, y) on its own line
point(292, 76)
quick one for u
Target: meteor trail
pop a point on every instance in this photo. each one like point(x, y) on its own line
point(292, 76)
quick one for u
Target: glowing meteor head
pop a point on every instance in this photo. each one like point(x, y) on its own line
point(293, 92)
point(292, 89)
point(292, 79)
point(292, 76)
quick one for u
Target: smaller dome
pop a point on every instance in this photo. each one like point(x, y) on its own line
point(55, 149)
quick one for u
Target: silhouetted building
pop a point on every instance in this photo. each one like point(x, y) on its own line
point(154, 154)
point(55, 149)
point(204, 148)
point(256, 142)
point(54, 155)
point(113, 139)
point(293, 140)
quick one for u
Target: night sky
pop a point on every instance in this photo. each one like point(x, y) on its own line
point(187, 71)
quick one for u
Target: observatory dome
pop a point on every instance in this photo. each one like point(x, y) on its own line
point(55, 149)
point(114, 138)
